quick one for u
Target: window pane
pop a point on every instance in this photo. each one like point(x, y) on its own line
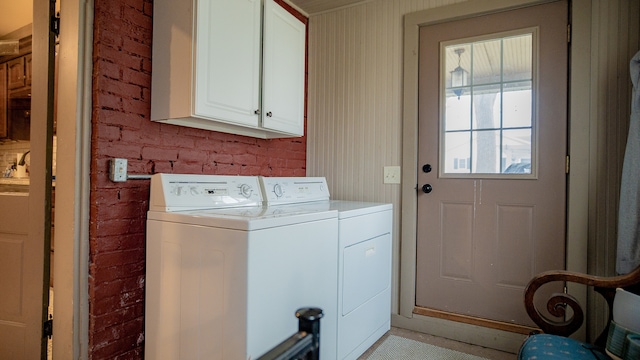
point(486, 62)
point(457, 112)
point(516, 111)
point(486, 146)
point(486, 107)
point(457, 150)
point(517, 58)
point(488, 121)
point(516, 150)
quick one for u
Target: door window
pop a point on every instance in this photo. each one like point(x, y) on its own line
point(487, 118)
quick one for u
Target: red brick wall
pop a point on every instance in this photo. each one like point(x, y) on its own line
point(121, 128)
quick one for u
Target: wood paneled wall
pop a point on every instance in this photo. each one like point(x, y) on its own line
point(354, 118)
point(615, 38)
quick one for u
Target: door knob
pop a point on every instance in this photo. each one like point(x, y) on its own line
point(426, 168)
point(427, 188)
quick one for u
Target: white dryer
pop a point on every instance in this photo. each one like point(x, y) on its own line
point(364, 274)
point(225, 274)
point(364, 262)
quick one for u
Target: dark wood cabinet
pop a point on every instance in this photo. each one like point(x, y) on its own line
point(27, 69)
point(17, 74)
point(15, 93)
point(19, 118)
point(3, 101)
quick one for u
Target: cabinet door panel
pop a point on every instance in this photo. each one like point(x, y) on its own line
point(227, 85)
point(16, 73)
point(27, 69)
point(3, 100)
point(283, 66)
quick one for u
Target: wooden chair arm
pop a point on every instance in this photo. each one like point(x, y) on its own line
point(558, 302)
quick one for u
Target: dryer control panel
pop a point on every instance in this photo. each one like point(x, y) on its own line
point(291, 190)
point(179, 192)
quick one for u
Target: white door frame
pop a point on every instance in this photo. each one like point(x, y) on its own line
point(577, 190)
point(71, 304)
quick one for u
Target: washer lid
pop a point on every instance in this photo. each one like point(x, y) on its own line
point(179, 192)
point(247, 218)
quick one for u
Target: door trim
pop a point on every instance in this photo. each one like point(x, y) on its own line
point(71, 298)
point(577, 188)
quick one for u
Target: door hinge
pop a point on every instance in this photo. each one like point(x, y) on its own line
point(47, 327)
point(566, 165)
point(55, 24)
point(569, 33)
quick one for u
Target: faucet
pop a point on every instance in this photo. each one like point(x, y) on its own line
point(21, 162)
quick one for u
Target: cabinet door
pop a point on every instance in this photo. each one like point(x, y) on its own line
point(227, 56)
point(3, 100)
point(27, 69)
point(284, 70)
point(17, 77)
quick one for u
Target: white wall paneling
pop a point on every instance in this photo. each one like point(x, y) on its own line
point(355, 110)
point(354, 114)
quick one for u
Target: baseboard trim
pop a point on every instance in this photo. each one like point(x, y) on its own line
point(469, 333)
point(493, 324)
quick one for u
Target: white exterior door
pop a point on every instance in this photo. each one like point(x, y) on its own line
point(492, 137)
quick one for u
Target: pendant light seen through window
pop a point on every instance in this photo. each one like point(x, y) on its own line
point(459, 76)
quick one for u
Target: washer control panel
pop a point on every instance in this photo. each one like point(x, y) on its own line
point(291, 190)
point(176, 192)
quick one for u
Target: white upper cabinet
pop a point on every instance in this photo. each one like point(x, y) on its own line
point(227, 53)
point(219, 65)
point(283, 66)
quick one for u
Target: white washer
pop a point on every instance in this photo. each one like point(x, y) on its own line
point(364, 262)
point(225, 274)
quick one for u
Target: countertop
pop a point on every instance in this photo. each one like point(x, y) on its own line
point(14, 181)
point(14, 186)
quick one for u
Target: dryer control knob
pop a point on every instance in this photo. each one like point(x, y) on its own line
point(245, 190)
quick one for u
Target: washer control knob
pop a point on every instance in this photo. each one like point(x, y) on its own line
point(178, 190)
point(277, 189)
point(245, 190)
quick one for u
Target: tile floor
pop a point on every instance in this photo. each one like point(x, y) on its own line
point(442, 342)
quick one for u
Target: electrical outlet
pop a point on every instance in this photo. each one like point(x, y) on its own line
point(392, 174)
point(118, 170)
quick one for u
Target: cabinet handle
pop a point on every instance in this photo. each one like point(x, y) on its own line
point(269, 114)
point(257, 112)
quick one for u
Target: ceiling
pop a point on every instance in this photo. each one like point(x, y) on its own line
point(14, 14)
point(17, 13)
point(316, 6)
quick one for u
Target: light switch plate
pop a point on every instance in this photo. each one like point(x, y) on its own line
point(392, 174)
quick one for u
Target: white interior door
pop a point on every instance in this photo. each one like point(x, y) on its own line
point(492, 132)
point(25, 232)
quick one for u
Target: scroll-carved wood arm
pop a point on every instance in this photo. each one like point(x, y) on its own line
point(558, 302)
